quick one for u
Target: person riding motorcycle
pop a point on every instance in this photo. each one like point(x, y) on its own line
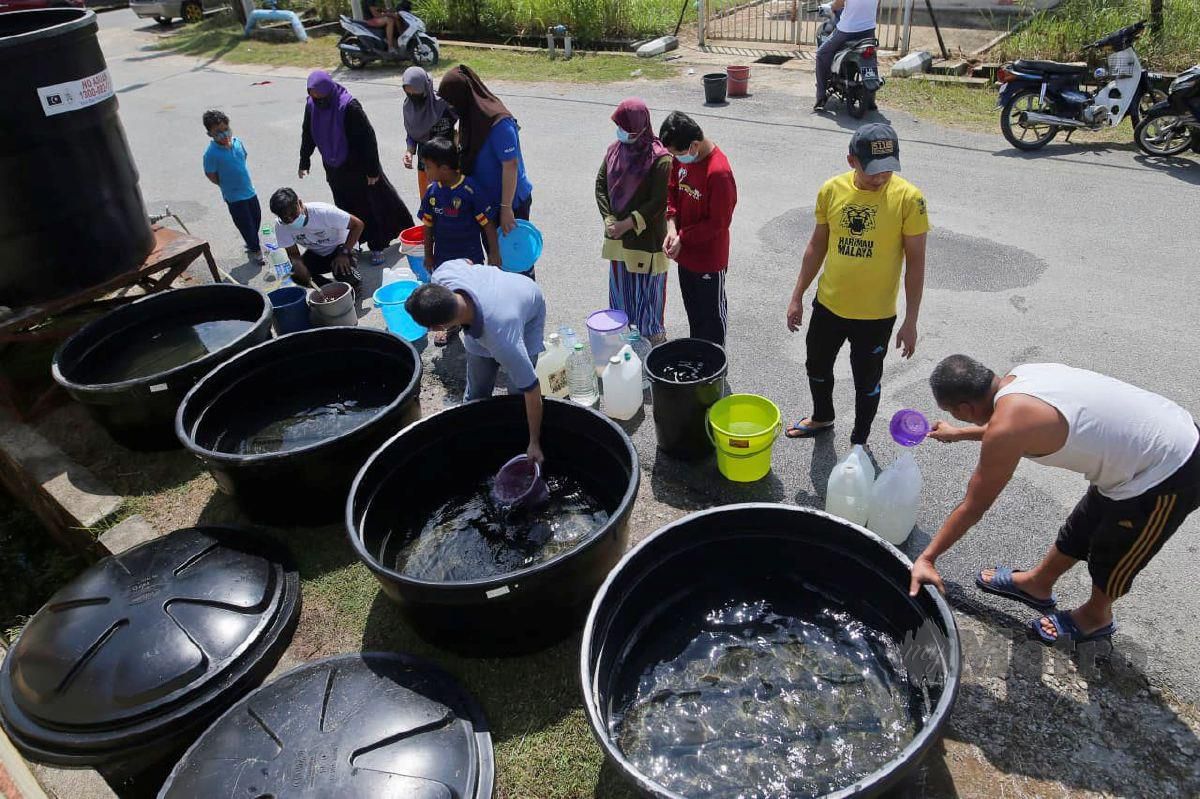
point(857, 22)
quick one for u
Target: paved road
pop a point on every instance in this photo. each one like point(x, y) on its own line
point(1081, 254)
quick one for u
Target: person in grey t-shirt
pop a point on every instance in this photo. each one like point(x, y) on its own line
point(503, 315)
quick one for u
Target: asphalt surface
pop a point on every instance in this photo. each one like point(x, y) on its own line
point(1080, 254)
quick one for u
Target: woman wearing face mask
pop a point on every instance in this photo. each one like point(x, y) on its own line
point(426, 117)
point(491, 146)
point(336, 125)
point(631, 192)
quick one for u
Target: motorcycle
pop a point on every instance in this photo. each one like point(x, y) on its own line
point(1040, 98)
point(361, 44)
point(854, 74)
point(1170, 127)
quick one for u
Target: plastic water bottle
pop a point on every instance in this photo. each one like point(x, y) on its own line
point(895, 500)
point(277, 257)
point(641, 348)
point(581, 377)
point(848, 493)
point(267, 234)
point(552, 368)
point(569, 339)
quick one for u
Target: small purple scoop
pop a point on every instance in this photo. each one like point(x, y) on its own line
point(519, 485)
point(909, 427)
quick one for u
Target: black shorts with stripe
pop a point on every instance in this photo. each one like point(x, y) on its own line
point(1118, 538)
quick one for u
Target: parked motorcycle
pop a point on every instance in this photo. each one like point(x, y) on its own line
point(361, 44)
point(1170, 127)
point(854, 75)
point(1040, 98)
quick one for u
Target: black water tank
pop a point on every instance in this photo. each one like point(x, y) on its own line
point(71, 215)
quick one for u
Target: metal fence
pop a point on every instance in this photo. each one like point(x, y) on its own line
point(789, 22)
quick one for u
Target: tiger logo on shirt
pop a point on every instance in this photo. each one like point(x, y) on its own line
point(858, 219)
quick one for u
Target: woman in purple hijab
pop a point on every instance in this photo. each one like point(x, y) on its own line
point(631, 192)
point(336, 125)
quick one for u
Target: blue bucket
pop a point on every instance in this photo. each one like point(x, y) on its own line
point(390, 299)
point(290, 311)
point(417, 264)
point(521, 249)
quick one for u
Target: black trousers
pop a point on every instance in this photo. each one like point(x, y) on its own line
point(247, 216)
point(705, 303)
point(1118, 538)
point(869, 340)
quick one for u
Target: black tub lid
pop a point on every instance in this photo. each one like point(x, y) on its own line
point(140, 633)
point(368, 725)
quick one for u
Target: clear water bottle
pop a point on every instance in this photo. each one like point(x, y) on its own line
point(569, 339)
point(581, 377)
point(267, 234)
point(641, 348)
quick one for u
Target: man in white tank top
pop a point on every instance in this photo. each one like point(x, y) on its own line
point(1137, 449)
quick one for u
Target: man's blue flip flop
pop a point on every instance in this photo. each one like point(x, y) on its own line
point(1065, 626)
point(799, 430)
point(1002, 584)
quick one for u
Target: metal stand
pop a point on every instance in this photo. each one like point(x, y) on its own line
point(559, 30)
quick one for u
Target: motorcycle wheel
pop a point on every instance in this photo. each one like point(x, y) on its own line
point(1025, 137)
point(856, 105)
point(1142, 104)
point(423, 54)
point(351, 60)
point(1163, 135)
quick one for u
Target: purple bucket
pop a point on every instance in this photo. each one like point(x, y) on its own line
point(519, 485)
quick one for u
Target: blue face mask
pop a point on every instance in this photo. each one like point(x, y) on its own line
point(298, 222)
point(687, 158)
point(624, 136)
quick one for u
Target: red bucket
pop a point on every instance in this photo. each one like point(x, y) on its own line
point(413, 237)
point(739, 81)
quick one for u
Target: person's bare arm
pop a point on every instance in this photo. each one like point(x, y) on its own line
point(1003, 447)
point(838, 5)
point(914, 288)
point(814, 256)
point(508, 193)
point(213, 178)
point(493, 243)
point(356, 229)
point(533, 414)
point(949, 434)
point(430, 239)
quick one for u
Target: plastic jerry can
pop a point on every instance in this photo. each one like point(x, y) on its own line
point(848, 492)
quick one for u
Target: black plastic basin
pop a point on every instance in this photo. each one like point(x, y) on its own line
point(285, 426)
point(747, 553)
point(131, 367)
point(526, 609)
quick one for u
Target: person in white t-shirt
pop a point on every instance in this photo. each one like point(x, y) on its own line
point(857, 21)
point(327, 233)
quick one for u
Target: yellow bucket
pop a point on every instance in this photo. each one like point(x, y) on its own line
point(743, 429)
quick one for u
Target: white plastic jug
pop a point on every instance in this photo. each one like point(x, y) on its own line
point(895, 500)
point(623, 393)
point(848, 493)
point(552, 368)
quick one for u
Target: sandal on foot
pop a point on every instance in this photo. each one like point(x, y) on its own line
point(378, 257)
point(801, 430)
point(1002, 584)
point(1064, 625)
point(441, 338)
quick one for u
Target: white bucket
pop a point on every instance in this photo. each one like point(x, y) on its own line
point(332, 305)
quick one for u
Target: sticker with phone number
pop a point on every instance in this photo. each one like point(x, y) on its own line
point(75, 95)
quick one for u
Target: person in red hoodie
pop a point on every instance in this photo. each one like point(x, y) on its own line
point(701, 196)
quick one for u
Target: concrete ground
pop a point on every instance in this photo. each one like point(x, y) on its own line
point(1082, 255)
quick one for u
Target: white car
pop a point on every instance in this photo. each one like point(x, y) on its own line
point(165, 11)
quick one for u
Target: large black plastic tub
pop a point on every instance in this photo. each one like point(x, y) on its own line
point(71, 215)
point(128, 663)
point(139, 413)
point(742, 550)
point(681, 408)
point(301, 485)
point(526, 609)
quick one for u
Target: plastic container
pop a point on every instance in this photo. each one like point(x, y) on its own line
point(743, 429)
point(390, 300)
point(641, 348)
point(569, 337)
point(130, 661)
point(524, 610)
point(301, 477)
point(681, 407)
point(581, 378)
point(139, 412)
point(412, 245)
point(744, 553)
point(848, 491)
point(280, 263)
point(715, 88)
point(908, 427)
point(519, 485)
point(605, 329)
point(895, 500)
point(290, 307)
point(623, 393)
point(73, 215)
point(552, 368)
point(739, 81)
point(359, 726)
point(413, 236)
point(520, 249)
point(332, 305)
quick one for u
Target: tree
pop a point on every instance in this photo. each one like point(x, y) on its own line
point(1156, 17)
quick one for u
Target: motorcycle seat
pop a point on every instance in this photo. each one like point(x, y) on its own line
point(1049, 67)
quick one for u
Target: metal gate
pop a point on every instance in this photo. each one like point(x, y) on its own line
point(787, 22)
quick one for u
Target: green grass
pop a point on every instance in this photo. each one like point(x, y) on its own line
point(1062, 32)
point(220, 38)
point(944, 103)
point(589, 20)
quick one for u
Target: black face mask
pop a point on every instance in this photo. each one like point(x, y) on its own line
point(321, 102)
point(418, 99)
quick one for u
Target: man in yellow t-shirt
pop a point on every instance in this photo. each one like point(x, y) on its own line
point(871, 227)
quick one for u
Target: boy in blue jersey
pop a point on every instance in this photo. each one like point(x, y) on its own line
point(454, 211)
point(225, 166)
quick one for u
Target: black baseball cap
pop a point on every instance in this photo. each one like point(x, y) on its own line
point(877, 147)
